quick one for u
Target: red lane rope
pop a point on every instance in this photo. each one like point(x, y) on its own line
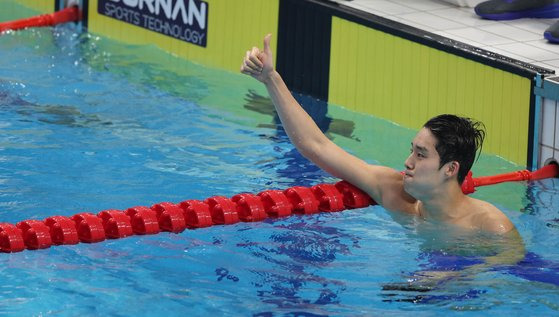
point(71, 14)
point(170, 217)
point(548, 171)
point(217, 210)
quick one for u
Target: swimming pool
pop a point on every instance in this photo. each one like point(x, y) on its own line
point(89, 124)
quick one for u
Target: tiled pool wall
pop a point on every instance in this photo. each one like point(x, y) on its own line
point(548, 95)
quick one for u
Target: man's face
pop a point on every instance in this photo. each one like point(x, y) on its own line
point(422, 173)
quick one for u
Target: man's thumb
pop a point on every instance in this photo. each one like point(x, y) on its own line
point(267, 49)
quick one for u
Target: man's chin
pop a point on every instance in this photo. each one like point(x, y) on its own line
point(408, 187)
point(408, 181)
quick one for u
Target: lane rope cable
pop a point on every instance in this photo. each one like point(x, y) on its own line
point(217, 210)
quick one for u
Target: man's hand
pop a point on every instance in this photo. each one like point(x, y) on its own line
point(259, 64)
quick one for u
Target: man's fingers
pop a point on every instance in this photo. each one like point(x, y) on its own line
point(254, 51)
point(254, 57)
point(249, 62)
point(244, 71)
point(252, 74)
point(248, 70)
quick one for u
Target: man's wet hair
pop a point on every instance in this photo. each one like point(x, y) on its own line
point(458, 139)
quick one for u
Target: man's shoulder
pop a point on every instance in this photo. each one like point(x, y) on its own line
point(492, 219)
point(391, 191)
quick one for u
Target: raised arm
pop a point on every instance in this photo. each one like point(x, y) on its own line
point(307, 137)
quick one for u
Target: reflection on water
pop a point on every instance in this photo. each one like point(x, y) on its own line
point(291, 257)
point(61, 115)
point(317, 109)
point(542, 197)
point(53, 114)
point(8, 99)
point(291, 163)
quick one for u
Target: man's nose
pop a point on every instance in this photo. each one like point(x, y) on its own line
point(408, 163)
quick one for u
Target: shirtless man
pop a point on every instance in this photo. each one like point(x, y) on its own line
point(442, 152)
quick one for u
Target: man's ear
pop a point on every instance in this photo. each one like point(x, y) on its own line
point(452, 168)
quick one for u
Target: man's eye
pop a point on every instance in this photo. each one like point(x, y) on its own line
point(420, 155)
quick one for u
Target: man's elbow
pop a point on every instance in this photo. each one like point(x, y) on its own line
point(310, 150)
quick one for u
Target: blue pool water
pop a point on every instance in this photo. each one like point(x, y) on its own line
point(88, 124)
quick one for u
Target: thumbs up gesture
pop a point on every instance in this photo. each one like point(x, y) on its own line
point(259, 63)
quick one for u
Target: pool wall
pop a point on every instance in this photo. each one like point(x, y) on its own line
point(44, 6)
point(547, 94)
point(231, 28)
point(347, 57)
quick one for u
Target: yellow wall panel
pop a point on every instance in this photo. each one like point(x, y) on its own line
point(361, 61)
point(423, 80)
point(407, 83)
point(233, 27)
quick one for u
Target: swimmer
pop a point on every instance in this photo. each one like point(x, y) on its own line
point(441, 155)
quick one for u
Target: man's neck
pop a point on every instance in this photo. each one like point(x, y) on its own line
point(443, 204)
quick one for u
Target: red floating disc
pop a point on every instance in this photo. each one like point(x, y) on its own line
point(302, 199)
point(62, 230)
point(90, 227)
point(196, 214)
point(36, 234)
point(170, 217)
point(329, 197)
point(223, 210)
point(143, 220)
point(353, 197)
point(11, 238)
point(276, 203)
point(116, 223)
point(249, 207)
